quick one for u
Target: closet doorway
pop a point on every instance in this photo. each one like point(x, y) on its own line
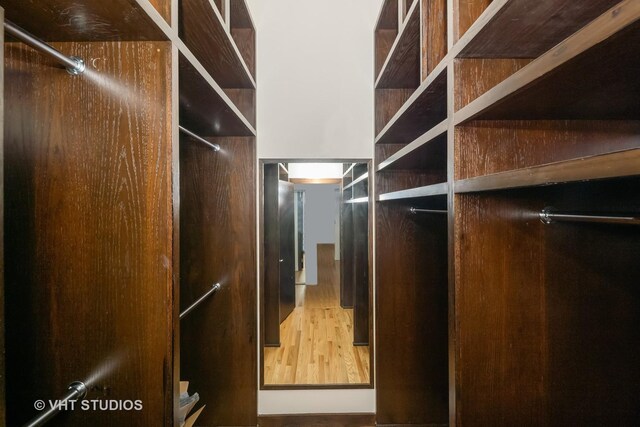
point(315, 275)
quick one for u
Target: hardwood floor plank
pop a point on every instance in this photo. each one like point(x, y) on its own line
point(317, 338)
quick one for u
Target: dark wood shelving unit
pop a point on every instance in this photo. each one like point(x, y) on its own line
point(537, 105)
point(205, 34)
point(401, 69)
point(355, 249)
point(92, 20)
point(205, 108)
point(148, 218)
point(533, 28)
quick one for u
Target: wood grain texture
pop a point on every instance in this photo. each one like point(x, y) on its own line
point(384, 40)
point(204, 109)
point(465, 14)
point(432, 155)
point(427, 108)
point(487, 147)
point(245, 39)
point(387, 103)
point(89, 20)
point(528, 319)
point(271, 257)
point(317, 338)
point(319, 420)
point(433, 34)
point(88, 230)
point(218, 244)
point(402, 65)
point(163, 7)
point(521, 29)
point(555, 86)
point(474, 77)
point(411, 319)
point(205, 35)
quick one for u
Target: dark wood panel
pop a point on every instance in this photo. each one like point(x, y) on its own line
point(427, 109)
point(411, 317)
point(88, 231)
point(556, 86)
point(549, 328)
point(204, 110)
point(205, 35)
point(240, 15)
point(89, 20)
point(388, 102)
point(346, 253)
point(360, 269)
point(430, 156)
point(388, 19)
point(318, 420)
point(218, 244)
point(390, 181)
point(245, 39)
point(474, 77)
point(521, 29)
point(286, 238)
point(384, 40)
point(466, 13)
point(486, 147)
point(434, 34)
point(271, 257)
point(245, 101)
point(402, 66)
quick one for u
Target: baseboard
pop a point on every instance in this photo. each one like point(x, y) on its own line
point(360, 344)
point(318, 420)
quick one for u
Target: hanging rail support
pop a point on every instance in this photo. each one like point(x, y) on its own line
point(549, 215)
point(216, 147)
point(215, 288)
point(77, 391)
point(431, 211)
point(74, 65)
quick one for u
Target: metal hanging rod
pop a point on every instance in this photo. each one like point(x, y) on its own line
point(216, 147)
point(215, 288)
point(73, 64)
point(77, 391)
point(431, 211)
point(549, 215)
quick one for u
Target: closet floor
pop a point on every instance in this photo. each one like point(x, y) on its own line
point(317, 338)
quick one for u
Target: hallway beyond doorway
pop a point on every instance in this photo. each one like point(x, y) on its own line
point(317, 338)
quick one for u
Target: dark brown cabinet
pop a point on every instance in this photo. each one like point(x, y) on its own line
point(116, 221)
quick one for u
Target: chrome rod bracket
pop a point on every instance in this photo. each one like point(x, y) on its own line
point(214, 288)
point(545, 215)
point(187, 132)
point(74, 65)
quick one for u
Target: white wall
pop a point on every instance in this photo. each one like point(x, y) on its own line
point(320, 211)
point(315, 78)
point(315, 101)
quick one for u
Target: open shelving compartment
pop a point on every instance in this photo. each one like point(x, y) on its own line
point(546, 313)
point(226, 50)
point(411, 154)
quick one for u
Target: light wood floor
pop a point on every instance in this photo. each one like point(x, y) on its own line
point(317, 338)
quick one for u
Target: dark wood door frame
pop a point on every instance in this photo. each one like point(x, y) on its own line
point(261, 270)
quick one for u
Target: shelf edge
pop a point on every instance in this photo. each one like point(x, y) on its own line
point(441, 189)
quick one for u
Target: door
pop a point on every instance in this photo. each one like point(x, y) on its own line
point(287, 249)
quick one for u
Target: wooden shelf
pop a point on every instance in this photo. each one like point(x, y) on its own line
point(422, 153)
point(423, 110)
point(358, 200)
point(88, 20)
point(415, 193)
point(349, 169)
point(243, 33)
point(557, 86)
point(611, 165)
point(361, 178)
point(203, 31)
point(526, 29)
point(401, 69)
point(204, 107)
